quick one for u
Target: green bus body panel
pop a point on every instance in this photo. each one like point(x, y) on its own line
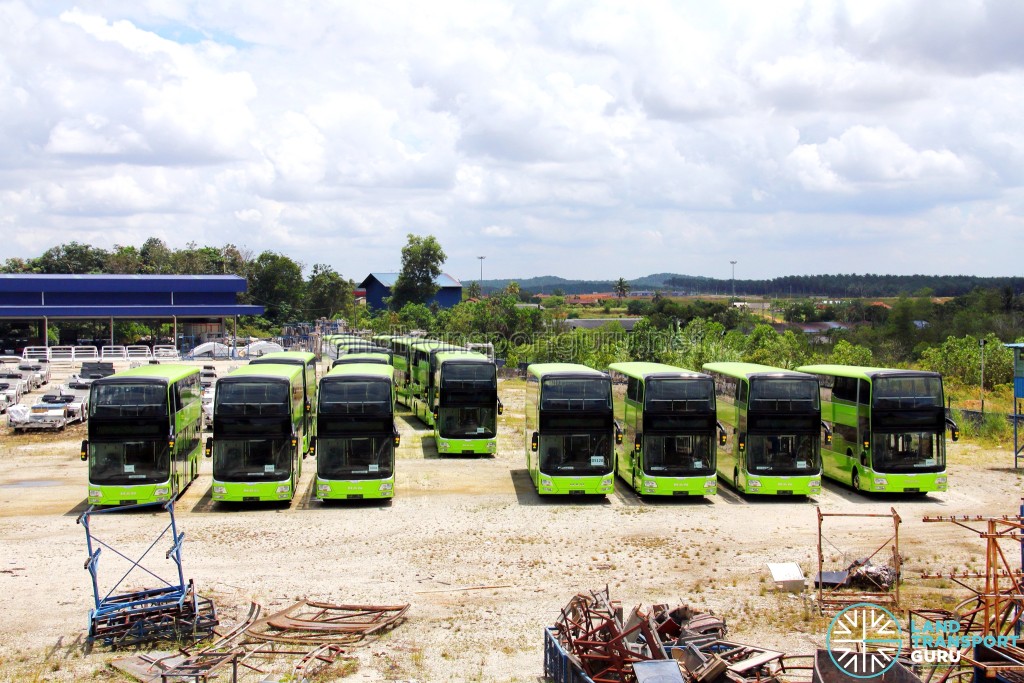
point(400, 346)
point(235, 491)
point(731, 465)
point(840, 466)
point(450, 445)
point(356, 489)
point(420, 372)
point(629, 414)
point(600, 485)
point(187, 425)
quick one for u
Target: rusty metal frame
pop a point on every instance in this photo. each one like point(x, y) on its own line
point(834, 600)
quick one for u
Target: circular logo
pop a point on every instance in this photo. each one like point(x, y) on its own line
point(864, 640)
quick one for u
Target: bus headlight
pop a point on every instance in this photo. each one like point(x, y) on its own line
point(163, 491)
point(545, 483)
point(814, 484)
point(881, 481)
point(284, 488)
point(492, 447)
point(940, 480)
point(754, 483)
point(95, 494)
point(220, 489)
point(324, 488)
point(710, 484)
point(386, 486)
point(443, 446)
point(650, 484)
point(606, 483)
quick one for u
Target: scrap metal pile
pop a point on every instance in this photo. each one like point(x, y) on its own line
point(313, 635)
point(172, 611)
point(592, 639)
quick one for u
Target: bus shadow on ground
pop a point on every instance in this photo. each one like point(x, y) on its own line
point(848, 494)
point(78, 509)
point(733, 497)
point(526, 493)
point(206, 504)
point(630, 498)
point(411, 422)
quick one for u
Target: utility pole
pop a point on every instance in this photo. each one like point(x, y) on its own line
point(982, 343)
point(480, 282)
point(733, 279)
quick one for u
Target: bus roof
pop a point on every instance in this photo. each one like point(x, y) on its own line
point(541, 370)
point(354, 357)
point(285, 358)
point(864, 372)
point(362, 370)
point(267, 370)
point(747, 370)
point(646, 370)
point(471, 356)
point(170, 372)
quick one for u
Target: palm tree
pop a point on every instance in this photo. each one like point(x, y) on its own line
point(621, 288)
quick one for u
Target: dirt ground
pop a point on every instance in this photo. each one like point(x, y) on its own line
point(485, 562)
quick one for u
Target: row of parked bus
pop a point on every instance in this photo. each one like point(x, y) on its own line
point(764, 430)
point(270, 415)
point(663, 430)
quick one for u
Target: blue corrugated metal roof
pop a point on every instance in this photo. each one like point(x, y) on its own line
point(122, 296)
point(389, 279)
point(11, 282)
point(127, 311)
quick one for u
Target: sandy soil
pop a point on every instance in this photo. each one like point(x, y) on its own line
point(484, 561)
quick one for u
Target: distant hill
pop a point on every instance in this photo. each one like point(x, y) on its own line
point(832, 286)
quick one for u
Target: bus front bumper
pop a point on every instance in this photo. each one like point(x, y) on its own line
point(242, 492)
point(354, 489)
point(467, 446)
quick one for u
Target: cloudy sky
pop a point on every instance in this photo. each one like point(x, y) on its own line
point(587, 139)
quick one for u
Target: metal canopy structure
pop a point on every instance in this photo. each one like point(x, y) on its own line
point(116, 297)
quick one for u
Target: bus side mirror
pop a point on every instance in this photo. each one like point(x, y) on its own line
point(618, 434)
point(828, 432)
point(170, 444)
point(534, 442)
point(84, 455)
point(309, 407)
point(501, 407)
point(435, 414)
point(398, 439)
point(637, 443)
point(209, 446)
point(312, 446)
point(741, 444)
point(866, 444)
point(721, 433)
point(953, 429)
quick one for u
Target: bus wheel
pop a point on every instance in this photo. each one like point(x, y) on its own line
point(855, 481)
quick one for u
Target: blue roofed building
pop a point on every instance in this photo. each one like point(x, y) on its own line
point(199, 303)
point(378, 287)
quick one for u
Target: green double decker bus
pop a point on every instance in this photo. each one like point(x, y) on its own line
point(775, 419)
point(570, 429)
point(309, 383)
point(888, 428)
point(259, 418)
point(357, 437)
point(671, 431)
point(422, 360)
point(462, 395)
point(144, 440)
